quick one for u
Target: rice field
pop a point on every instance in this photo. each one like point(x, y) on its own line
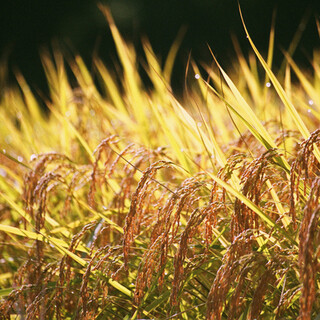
point(121, 201)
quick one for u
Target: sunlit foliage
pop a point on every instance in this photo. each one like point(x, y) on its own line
point(126, 202)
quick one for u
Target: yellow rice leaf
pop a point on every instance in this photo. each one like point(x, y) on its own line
point(284, 98)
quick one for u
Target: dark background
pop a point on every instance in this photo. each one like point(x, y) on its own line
point(29, 25)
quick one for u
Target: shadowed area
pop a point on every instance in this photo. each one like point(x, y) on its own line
point(26, 27)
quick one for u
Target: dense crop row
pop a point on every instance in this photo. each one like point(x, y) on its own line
point(125, 202)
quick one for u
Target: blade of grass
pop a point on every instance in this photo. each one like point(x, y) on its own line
point(173, 139)
point(245, 110)
point(131, 77)
point(75, 131)
point(59, 89)
point(5, 292)
point(253, 207)
point(310, 89)
point(284, 98)
point(20, 163)
point(111, 87)
point(168, 66)
point(36, 236)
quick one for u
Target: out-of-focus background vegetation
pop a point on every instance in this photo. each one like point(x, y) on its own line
point(27, 26)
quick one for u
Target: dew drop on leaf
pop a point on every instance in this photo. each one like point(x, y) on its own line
point(2, 172)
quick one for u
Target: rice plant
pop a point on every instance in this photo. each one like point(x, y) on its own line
point(125, 202)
